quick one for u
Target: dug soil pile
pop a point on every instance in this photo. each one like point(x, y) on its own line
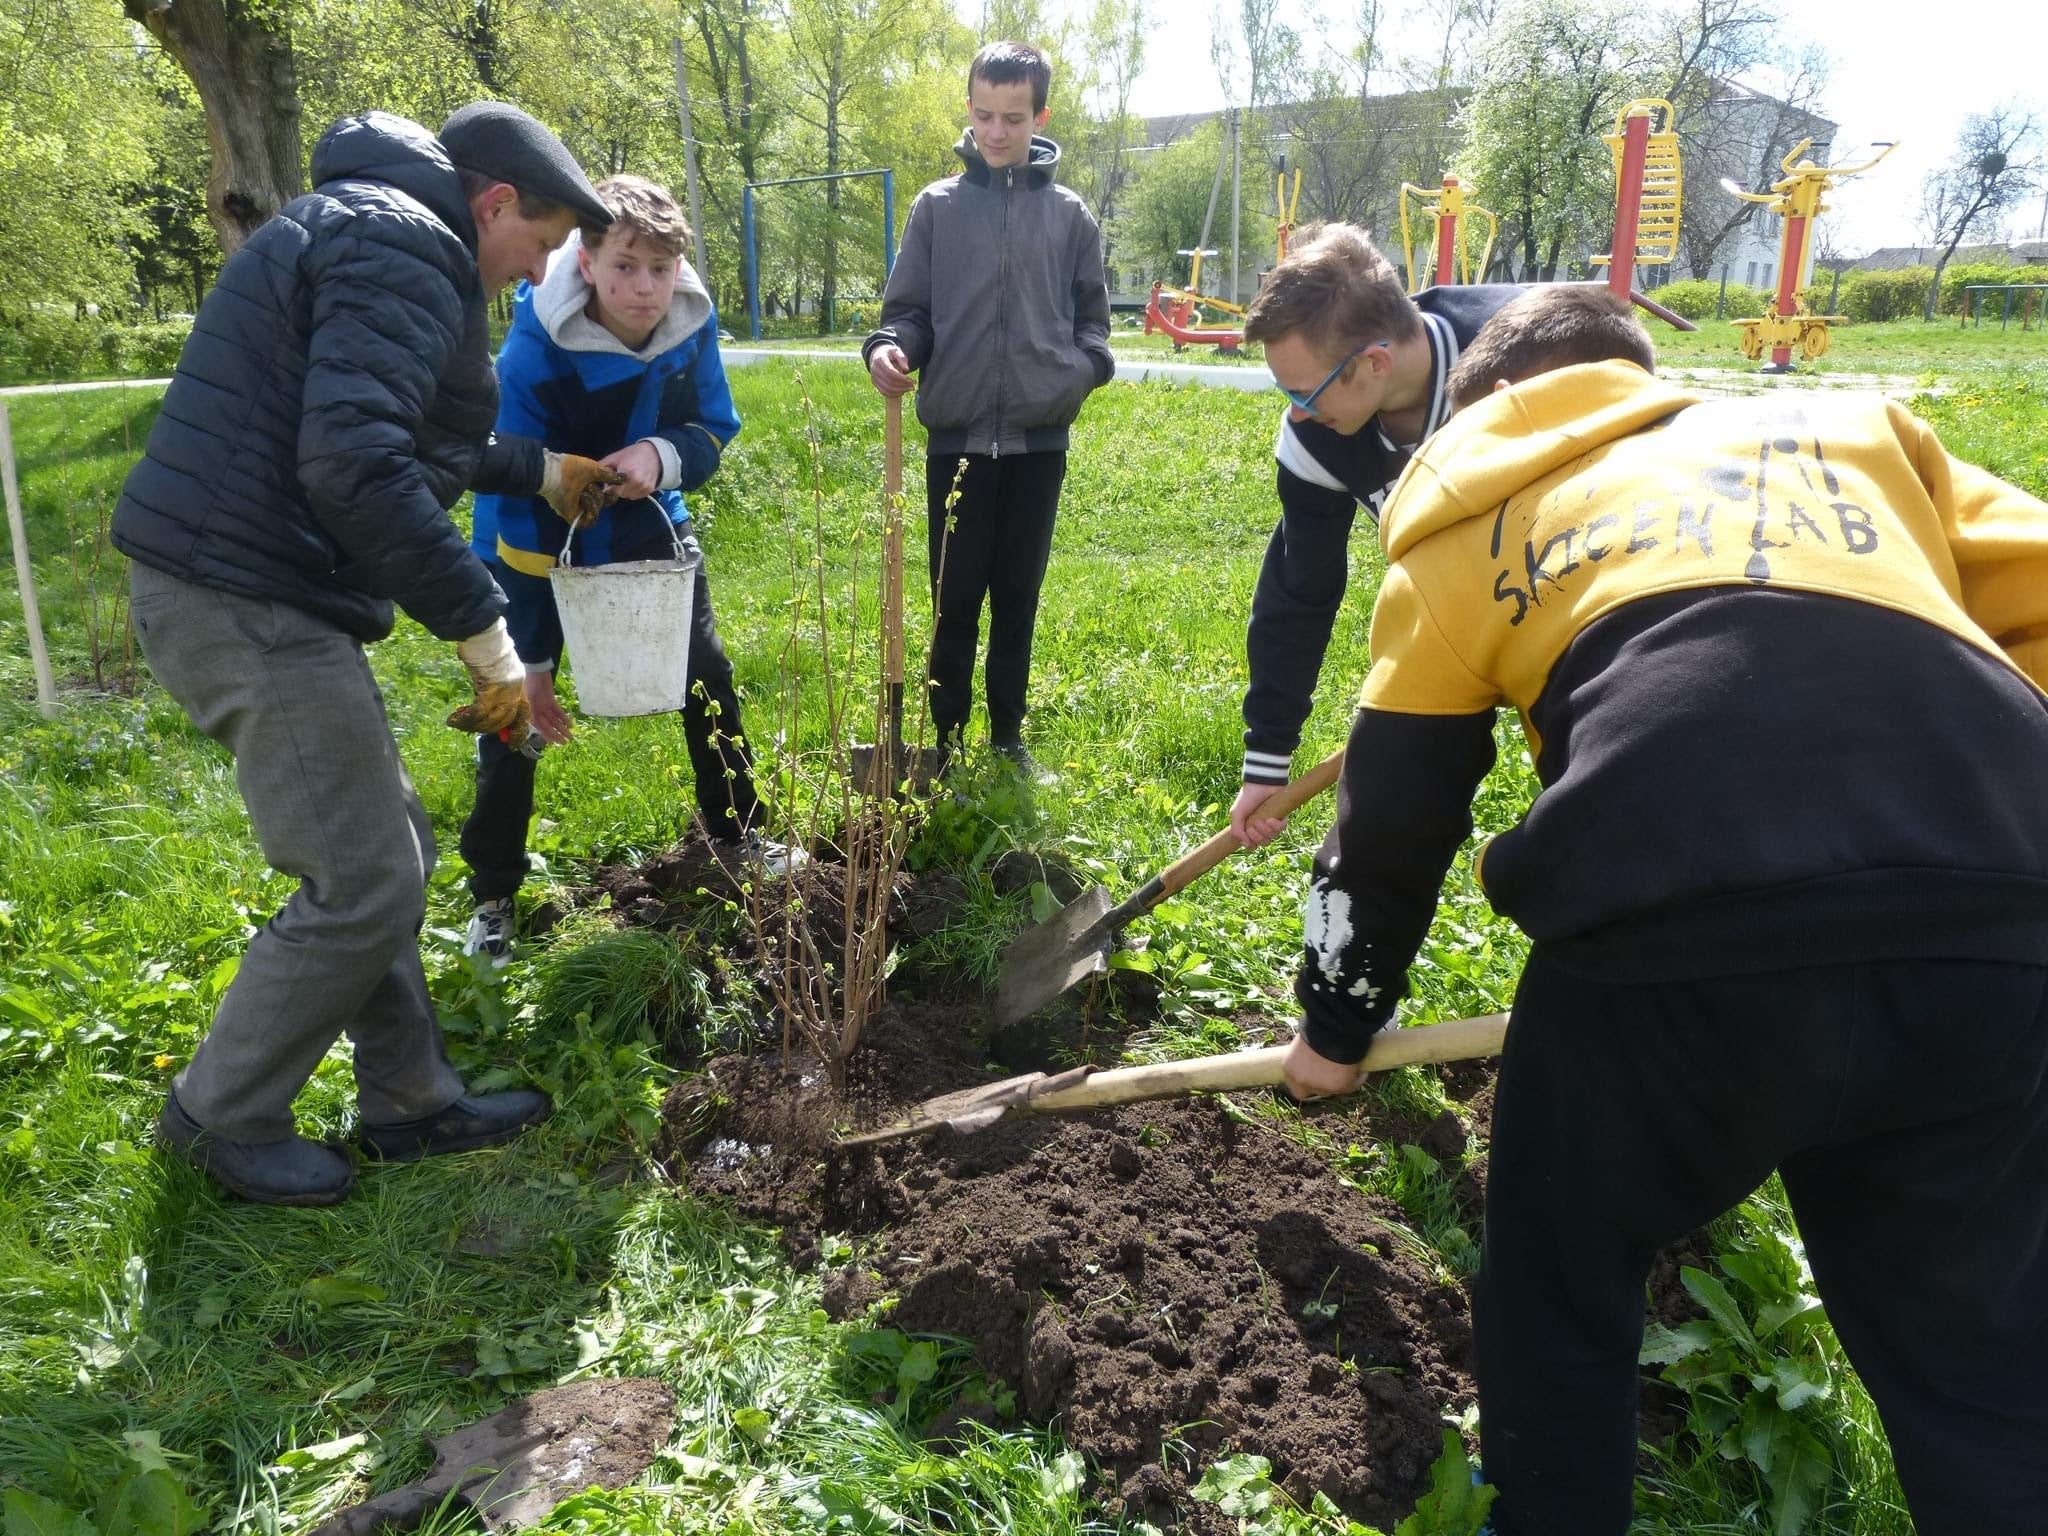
point(1169, 1282)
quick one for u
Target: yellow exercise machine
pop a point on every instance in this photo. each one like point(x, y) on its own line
point(1797, 199)
point(1449, 208)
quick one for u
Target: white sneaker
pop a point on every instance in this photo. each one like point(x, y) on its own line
point(490, 932)
point(773, 859)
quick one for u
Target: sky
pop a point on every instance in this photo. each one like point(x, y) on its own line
point(1880, 87)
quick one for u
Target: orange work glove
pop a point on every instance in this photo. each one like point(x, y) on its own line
point(575, 487)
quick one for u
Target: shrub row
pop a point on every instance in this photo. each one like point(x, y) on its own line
point(39, 347)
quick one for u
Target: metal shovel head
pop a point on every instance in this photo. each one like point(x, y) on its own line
point(918, 767)
point(514, 1467)
point(970, 1110)
point(1049, 957)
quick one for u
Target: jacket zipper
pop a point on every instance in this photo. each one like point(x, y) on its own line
point(1003, 314)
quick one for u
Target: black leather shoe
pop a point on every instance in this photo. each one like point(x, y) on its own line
point(293, 1171)
point(472, 1121)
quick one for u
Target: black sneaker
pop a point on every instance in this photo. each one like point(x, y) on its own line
point(472, 1121)
point(293, 1171)
point(1028, 767)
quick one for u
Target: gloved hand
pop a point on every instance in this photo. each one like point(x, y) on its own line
point(499, 678)
point(574, 486)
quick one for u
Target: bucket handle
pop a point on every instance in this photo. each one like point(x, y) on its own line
point(675, 530)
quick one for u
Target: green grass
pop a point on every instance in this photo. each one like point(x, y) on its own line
point(254, 1344)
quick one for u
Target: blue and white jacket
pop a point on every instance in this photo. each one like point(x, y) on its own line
point(565, 379)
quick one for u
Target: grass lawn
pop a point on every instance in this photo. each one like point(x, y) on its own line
point(175, 1361)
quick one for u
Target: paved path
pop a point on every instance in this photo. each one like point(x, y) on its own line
point(1712, 381)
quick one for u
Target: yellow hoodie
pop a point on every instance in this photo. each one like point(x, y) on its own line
point(1548, 505)
point(1780, 662)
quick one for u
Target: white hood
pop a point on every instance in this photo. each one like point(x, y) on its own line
point(561, 301)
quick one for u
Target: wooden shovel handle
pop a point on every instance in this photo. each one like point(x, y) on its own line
point(1184, 871)
point(1456, 1040)
point(892, 540)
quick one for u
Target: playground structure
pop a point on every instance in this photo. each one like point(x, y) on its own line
point(1450, 211)
point(1796, 198)
point(1649, 193)
point(1177, 312)
point(748, 238)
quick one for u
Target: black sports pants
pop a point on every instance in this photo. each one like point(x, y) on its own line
point(1905, 1103)
point(997, 549)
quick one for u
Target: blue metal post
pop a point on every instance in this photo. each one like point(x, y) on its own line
point(753, 272)
point(888, 224)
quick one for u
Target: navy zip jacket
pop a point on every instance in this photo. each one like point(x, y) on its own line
point(1325, 476)
point(577, 388)
point(334, 400)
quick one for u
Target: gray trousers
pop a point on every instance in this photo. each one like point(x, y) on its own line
point(292, 698)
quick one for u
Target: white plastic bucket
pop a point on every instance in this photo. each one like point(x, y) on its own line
point(627, 627)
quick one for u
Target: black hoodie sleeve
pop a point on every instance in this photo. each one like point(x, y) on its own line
point(1404, 805)
point(1294, 608)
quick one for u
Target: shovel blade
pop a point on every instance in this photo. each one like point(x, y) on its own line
point(527, 1458)
point(1049, 957)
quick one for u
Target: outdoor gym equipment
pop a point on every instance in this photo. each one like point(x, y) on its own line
point(1796, 198)
point(747, 231)
point(1449, 210)
point(1648, 190)
point(1177, 312)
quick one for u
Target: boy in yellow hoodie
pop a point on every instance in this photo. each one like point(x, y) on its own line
point(1780, 663)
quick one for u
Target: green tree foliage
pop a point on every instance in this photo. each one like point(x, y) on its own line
point(1552, 77)
point(78, 113)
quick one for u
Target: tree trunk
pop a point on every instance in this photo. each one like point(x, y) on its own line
point(239, 57)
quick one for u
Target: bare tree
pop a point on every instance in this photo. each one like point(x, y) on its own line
point(1992, 171)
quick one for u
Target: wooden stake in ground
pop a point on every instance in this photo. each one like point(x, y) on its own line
point(24, 575)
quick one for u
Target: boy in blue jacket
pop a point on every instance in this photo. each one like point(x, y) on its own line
point(616, 353)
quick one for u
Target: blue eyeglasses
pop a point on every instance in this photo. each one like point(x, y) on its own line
point(1307, 402)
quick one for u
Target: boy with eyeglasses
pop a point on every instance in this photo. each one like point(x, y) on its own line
point(1364, 368)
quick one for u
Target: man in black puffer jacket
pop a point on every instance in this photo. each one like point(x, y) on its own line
point(335, 399)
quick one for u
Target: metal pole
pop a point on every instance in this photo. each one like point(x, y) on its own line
point(753, 268)
point(1721, 302)
point(1447, 238)
point(25, 576)
point(1236, 196)
point(1628, 199)
point(689, 153)
point(888, 224)
point(1791, 257)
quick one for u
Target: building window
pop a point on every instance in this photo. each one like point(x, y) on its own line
point(1767, 272)
point(1750, 280)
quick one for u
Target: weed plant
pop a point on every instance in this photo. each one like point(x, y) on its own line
point(270, 1365)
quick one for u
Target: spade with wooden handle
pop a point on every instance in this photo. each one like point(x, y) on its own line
point(1084, 1088)
point(1074, 943)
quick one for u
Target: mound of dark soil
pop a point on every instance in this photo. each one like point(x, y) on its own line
point(1171, 1275)
point(1166, 1282)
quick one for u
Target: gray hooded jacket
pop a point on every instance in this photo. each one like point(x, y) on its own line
point(998, 301)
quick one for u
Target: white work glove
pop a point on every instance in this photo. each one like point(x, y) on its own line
point(499, 678)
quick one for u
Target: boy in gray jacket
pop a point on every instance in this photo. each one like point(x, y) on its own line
point(1009, 343)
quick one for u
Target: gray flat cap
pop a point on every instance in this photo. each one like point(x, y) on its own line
point(498, 140)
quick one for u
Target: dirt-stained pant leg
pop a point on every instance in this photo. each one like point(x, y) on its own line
point(292, 698)
point(1916, 1155)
